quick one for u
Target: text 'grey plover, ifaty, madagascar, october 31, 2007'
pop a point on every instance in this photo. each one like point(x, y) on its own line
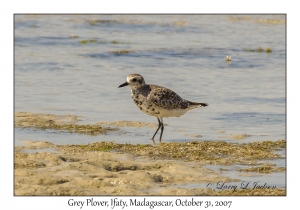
point(158, 101)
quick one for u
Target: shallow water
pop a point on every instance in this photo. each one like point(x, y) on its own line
point(57, 74)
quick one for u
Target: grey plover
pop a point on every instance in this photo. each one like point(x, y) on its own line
point(158, 101)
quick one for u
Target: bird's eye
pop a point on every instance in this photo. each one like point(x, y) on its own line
point(134, 80)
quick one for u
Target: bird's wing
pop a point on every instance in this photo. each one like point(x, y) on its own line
point(166, 98)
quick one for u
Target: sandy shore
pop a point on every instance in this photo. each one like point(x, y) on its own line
point(108, 168)
point(103, 173)
point(42, 168)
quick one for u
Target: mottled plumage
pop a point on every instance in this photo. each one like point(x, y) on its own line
point(158, 101)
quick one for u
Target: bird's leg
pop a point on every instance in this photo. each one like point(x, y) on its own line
point(159, 125)
point(162, 129)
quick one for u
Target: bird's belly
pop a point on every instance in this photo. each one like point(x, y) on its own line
point(153, 110)
point(172, 113)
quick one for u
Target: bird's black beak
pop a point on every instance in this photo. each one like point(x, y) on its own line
point(124, 84)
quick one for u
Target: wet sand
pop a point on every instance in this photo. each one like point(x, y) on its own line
point(108, 168)
point(76, 170)
point(68, 172)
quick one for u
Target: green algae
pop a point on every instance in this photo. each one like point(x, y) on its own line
point(117, 42)
point(210, 151)
point(121, 51)
point(59, 123)
point(266, 169)
point(100, 22)
point(88, 129)
point(104, 148)
point(267, 50)
point(88, 41)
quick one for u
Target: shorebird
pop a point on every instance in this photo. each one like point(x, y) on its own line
point(158, 101)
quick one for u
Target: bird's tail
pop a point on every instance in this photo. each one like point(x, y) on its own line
point(196, 104)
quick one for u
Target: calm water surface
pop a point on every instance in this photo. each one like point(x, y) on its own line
point(57, 74)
